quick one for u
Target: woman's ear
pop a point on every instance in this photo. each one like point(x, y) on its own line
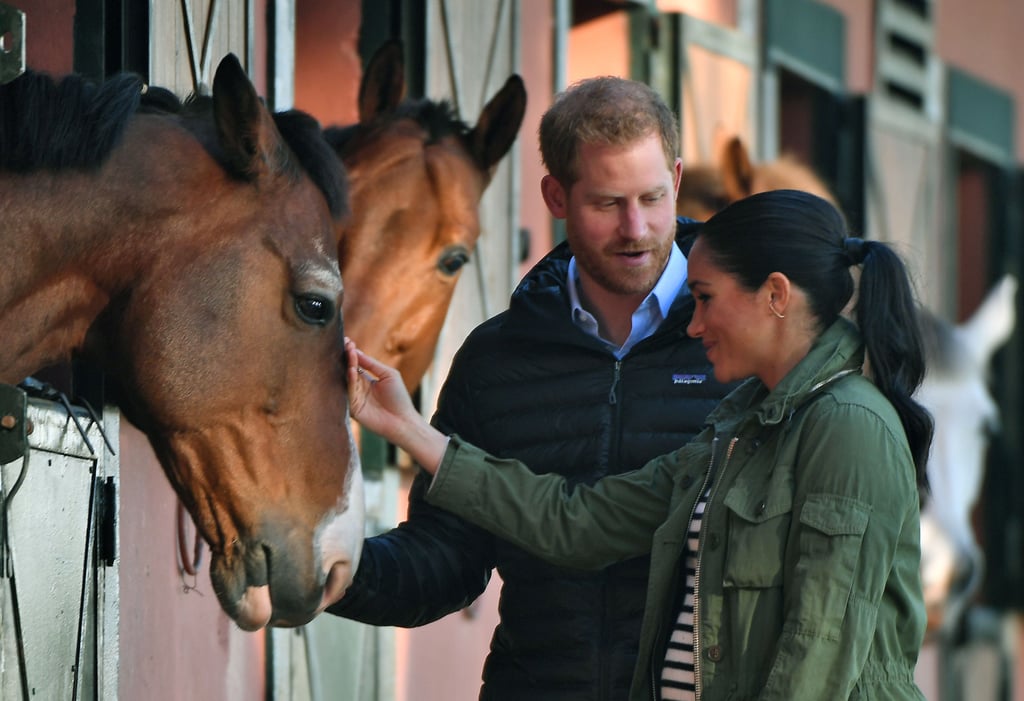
point(555, 196)
point(779, 290)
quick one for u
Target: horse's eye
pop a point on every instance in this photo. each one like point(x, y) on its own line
point(314, 309)
point(452, 260)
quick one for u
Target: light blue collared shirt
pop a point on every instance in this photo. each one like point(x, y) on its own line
point(648, 316)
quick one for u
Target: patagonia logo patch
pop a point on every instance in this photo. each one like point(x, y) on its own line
point(688, 379)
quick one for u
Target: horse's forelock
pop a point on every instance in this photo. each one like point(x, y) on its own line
point(340, 137)
point(303, 135)
point(437, 117)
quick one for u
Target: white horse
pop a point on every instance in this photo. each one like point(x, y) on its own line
point(955, 391)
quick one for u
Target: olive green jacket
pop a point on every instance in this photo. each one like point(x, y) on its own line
point(808, 582)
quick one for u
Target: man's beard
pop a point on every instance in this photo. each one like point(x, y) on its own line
point(624, 280)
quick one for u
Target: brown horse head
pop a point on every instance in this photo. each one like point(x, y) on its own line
point(417, 174)
point(708, 187)
point(194, 254)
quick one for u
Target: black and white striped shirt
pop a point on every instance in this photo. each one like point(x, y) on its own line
point(677, 676)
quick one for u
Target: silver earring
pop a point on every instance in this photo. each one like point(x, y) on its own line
point(771, 305)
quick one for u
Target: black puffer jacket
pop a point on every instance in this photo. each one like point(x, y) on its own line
point(528, 384)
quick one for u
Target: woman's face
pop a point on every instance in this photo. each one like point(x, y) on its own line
point(734, 323)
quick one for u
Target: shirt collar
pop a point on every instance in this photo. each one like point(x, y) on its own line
point(668, 287)
point(651, 311)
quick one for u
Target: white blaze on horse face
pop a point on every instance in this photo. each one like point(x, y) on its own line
point(964, 414)
point(956, 393)
point(325, 274)
point(339, 539)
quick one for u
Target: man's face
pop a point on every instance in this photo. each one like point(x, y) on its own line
point(620, 215)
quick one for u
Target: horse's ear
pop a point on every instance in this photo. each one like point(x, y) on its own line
point(992, 323)
point(499, 123)
point(244, 126)
point(383, 84)
point(737, 171)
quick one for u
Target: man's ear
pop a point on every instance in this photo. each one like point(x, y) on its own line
point(555, 196)
point(677, 175)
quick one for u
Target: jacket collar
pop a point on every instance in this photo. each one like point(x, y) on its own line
point(837, 352)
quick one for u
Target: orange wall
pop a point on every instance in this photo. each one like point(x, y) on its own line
point(327, 64)
point(600, 47)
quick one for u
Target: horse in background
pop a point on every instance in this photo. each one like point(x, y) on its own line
point(956, 393)
point(191, 250)
point(417, 173)
point(954, 389)
point(705, 188)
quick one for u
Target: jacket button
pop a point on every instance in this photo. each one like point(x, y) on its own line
point(714, 653)
point(686, 481)
point(761, 508)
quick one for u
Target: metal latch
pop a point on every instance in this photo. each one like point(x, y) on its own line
point(12, 43)
point(13, 423)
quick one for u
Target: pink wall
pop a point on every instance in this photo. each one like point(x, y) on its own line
point(49, 27)
point(599, 47)
point(176, 643)
point(537, 35)
point(860, 50)
point(979, 38)
point(983, 39)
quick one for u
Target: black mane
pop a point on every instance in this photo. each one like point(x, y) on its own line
point(437, 117)
point(70, 123)
point(73, 123)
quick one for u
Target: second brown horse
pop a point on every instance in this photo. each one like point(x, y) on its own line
point(416, 175)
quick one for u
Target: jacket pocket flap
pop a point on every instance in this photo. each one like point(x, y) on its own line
point(835, 515)
point(771, 502)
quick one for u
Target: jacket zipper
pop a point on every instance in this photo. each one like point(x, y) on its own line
point(614, 456)
point(655, 677)
point(696, 572)
point(612, 393)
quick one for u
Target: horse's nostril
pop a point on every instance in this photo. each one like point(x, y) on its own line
point(338, 579)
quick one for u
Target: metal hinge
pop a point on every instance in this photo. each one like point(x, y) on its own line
point(12, 43)
point(106, 522)
point(13, 423)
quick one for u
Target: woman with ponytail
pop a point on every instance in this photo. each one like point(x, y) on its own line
point(784, 539)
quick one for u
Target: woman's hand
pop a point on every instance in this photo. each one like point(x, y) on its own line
point(379, 401)
point(377, 395)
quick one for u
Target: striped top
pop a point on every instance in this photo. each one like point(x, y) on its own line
point(677, 676)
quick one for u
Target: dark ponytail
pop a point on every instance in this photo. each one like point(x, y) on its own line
point(887, 316)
